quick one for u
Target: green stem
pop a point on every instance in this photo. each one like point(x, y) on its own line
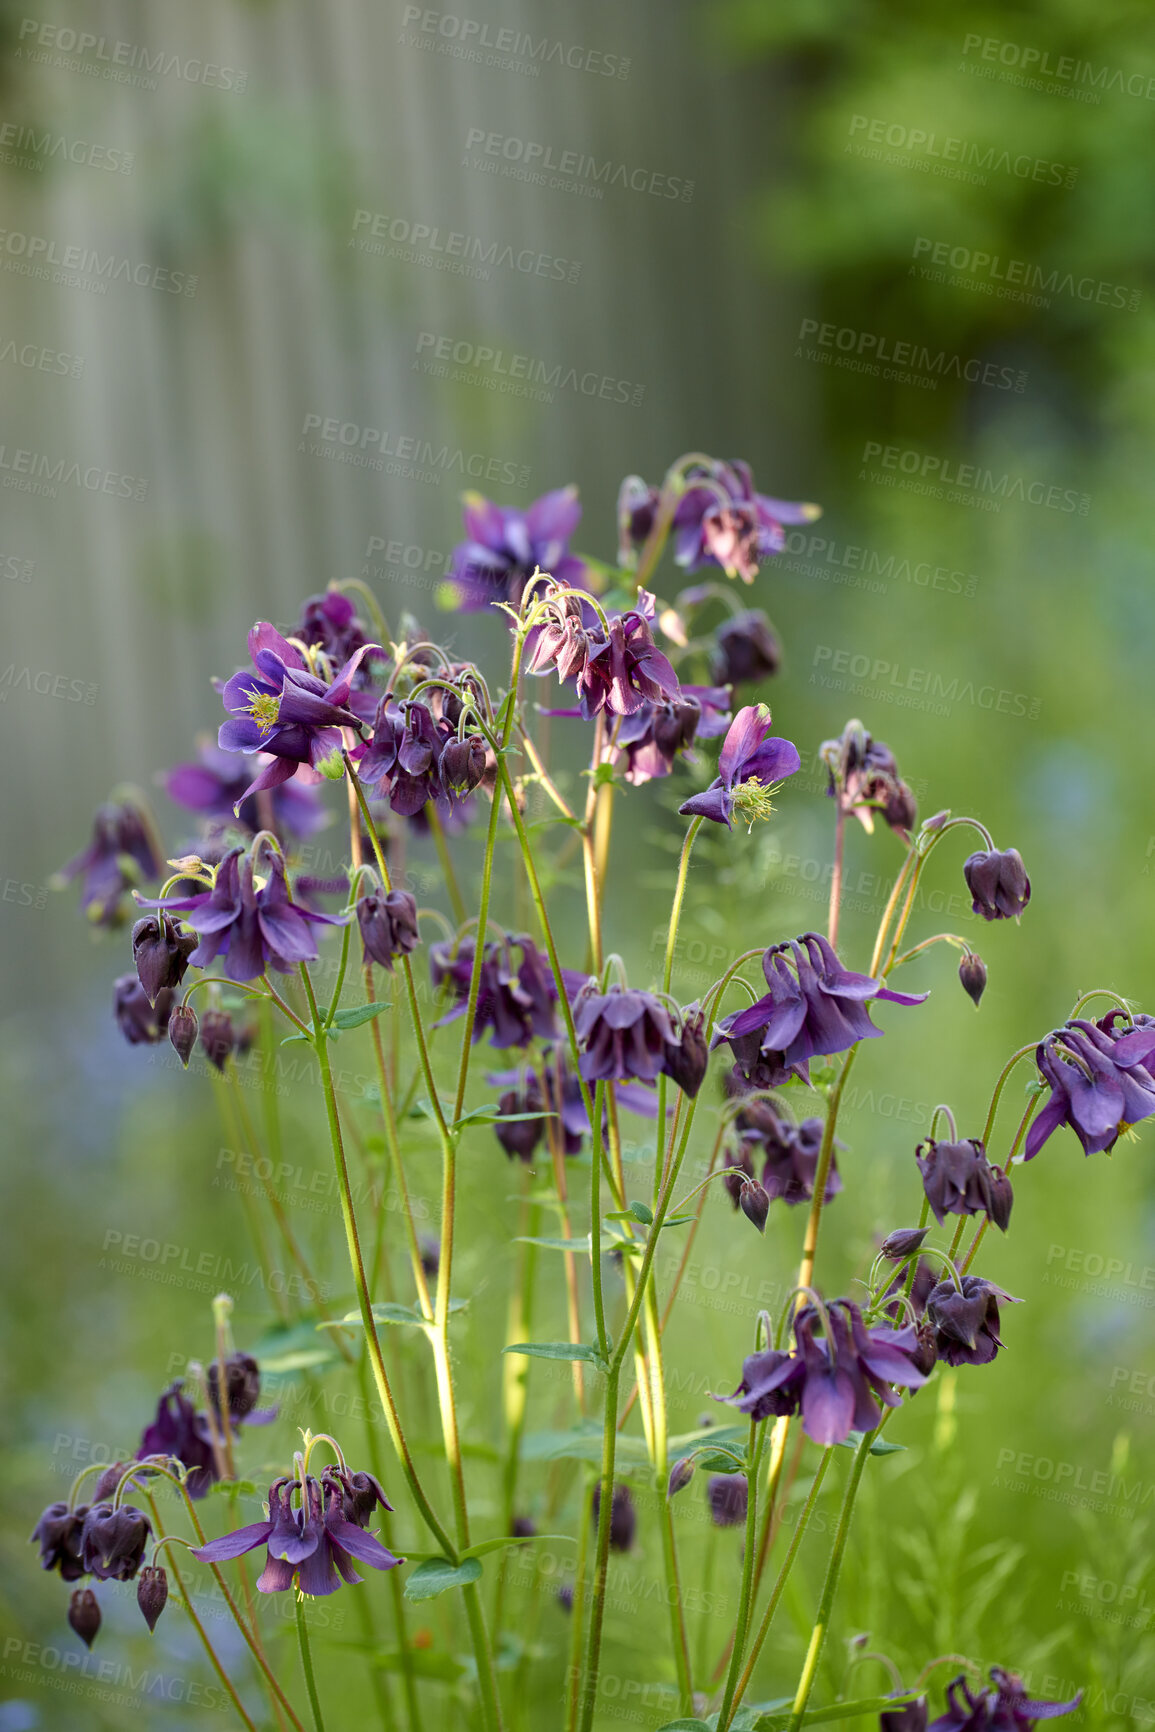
point(1000, 1086)
point(589, 1687)
point(814, 1222)
point(596, 1220)
point(456, 900)
point(307, 1664)
point(749, 1553)
point(830, 1586)
point(186, 1601)
point(409, 1681)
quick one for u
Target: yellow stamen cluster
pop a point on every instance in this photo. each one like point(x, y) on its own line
point(754, 799)
point(264, 707)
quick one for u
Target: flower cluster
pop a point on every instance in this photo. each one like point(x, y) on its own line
point(318, 1541)
point(789, 1154)
point(719, 519)
point(959, 1180)
point(1100, 1081)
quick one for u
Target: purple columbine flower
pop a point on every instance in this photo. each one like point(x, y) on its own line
point(517, 995)
point(966, 1319)
point(746, 650)
point(215, 789)
point(721, 521)
point(220, 1038)
point(814, 1008)
point(959, 1180)
point(864, 779)
point(998, 883)
point(504, 546)
point(616, 670)
point(562, 1096)
point(791, 1154)
point(58, 1534)
point(388, 925)
point(253, 925)
point(911, 1718)
point(141, 1023)
point(180, 1431)
point(623, 1034)
point(316, 1542)
point(112, 1541)
point(751, 766)
point(288, 711)
point(242, 1391)
point(161, 951)
point(835, 1382)
point(403, 760)
point(124, 852)
point(1102, 1079)
point(1005, 1708)
point(654, 736)
point(329, 621)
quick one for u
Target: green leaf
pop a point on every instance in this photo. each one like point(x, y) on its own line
point(733, 1437)
point(484, 1547)
point(582, 1244)
point(437, 1575)
point(642, 1212)
point(773, 1722)
point(489, 1115)
point(685, 1726)
point(357, 1014)
point(422, 1662)
point(558, 1350)
point(720, 1461)
point(387, 1312)
point(603, 775)
point(880, 1446)
point(583, 1443)
point(290, 1038)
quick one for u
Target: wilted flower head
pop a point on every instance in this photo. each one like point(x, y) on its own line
point(1102, 1079)
point(1005, 1708)
point(623, 1033)
point(287, 710)
point(58, 1534)
point(249, 916)
point(623, 1516)
point(112, 1541)
point(517, 996)
point(215, 789)
point(505, 545)
point(141, 1023)
point(746, 650)
point(388, 925)
point(728, 1496)
point(959, 1180)
point(315, 1542)
point(966, 1319)
point(180, 1431)
point(814, 1008)
point(864, 778)
point(751, 766)
point(998, 883)
point(124, 852)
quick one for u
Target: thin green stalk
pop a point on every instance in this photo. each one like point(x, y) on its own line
point(668, 969)
point(814, 1221)
point(596, 1221)
point(589, 1688)
point(830, 1585)
point(409, 1681)
point(307, 1664)
point(186, 1602)
point(577, 1614)
point(749, 1552)
point(456, 900)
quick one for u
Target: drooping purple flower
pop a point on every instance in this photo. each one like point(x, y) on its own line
point(654, 736)
point(361, 1494)
point(517, 996)
point(836, 1382)
point(911, 1718)
point(215, 789)
point(623, 1516)
point(1005, 1708)
point(402, 761)
point(58, 1534)
point(242, 1391)
point(220, 1038)
point(966, 1319)
point(124, 853)
point(253, 925)
point(462, 764)
point(864, 779)
point(814, 1008)
point(563, 1097)
point(637, 509)
point(623, 1034)
point(180, 1431)
point(161, 951)
point(721, 521)
point(727, 1495)
point(615, 670)
point(998, 883)
point(112, 1541)
point(286, 710)
point(388, 925)
point(141, 1023)
point(959, 1180)
point(688, 1057)
point(505, 545)
point(315, 1542)
point(746, 650)
point(1102, 1079)
point(751, 765)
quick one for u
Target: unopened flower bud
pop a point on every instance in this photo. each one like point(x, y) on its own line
point(84, 1615)
point(462, 764)
point(681, 1474)
point(972, 971)
point(754, 1203)
point(182, 1031)
point(388, 924)
point(903, 1242)
point(688, 1057)
point(218, 1037)
point(152, 1593)
point(524, 1527)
